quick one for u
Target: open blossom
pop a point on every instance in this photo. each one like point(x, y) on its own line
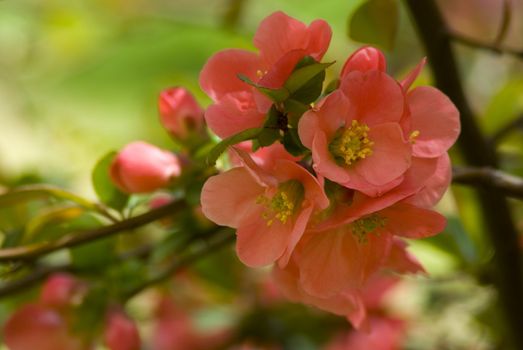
point(180, 113)
point(352, 252)
point(141, 167)
point(365, 134)
point(352, 302)
point(270, 210)
point(264, 157)
point(282, 42)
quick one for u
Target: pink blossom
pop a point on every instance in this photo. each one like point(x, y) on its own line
point(180, 113)
point(282, 41)
point(270, 210)
point(141, 167)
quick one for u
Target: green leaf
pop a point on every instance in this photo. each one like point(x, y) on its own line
point(39, 192)
point(306, 81)
point(107, 192)
point(375, 22)
point(217, 150)
point(276, 95)
point(292, 143)
point(295, 110)
point(95, 255)
point(52, 216)
point(271, 129)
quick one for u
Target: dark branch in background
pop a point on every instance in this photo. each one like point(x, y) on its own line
point(477, 152)
point(233, 13)
point(504, 131)
point(40, 273)
point(31, 252)
point(509, 185)
point(219, 239)
point(496, 48)
point(505, 22)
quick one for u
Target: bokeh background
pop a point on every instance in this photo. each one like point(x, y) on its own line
point(81, 78)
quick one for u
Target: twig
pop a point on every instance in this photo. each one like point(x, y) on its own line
point(31, 252)
point(496, 48)
point(40, 273)
point(510, 185)
point(477, 152)
point(219, 239)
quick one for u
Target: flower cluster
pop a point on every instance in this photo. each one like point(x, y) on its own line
point(335, 179)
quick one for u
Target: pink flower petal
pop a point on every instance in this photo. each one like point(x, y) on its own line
point(279, 34)
point(227, 197)
point(435, 186)
point(329, 263)
point(259, 244)
point(376, 97)
point(323, 162)
point(391, 155)
point(364, 59)
point(437, 120)
point(401, 261)
point(411, 77)
point(233, 113)
point(219, 76)
point(409, 221)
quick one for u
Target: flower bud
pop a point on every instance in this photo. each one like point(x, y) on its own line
point(121, 332)
point(365, 59)
point(180, 113)
point(141, 167)
point(60, 290)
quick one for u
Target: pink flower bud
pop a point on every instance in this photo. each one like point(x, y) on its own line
point(141, 167)
point(121, 332)
point(180, 113)
point(365, 59)
point(60, 290)
point(36, 326)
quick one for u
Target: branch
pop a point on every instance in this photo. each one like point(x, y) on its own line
point(218, 239)
point(33, 251)
point(509, 185)
point(496, 48)
point(477, 151)
point(42, 272)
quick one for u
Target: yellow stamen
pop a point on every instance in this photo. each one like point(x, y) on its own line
point(413, 136)
point(284, 203)
point(351, 144)
point(368, 224)
point(260, 73)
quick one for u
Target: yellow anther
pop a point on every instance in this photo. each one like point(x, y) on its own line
point(351, 144)
point(413, 135)
point(368, 224)
point(283, 203)
point(260, 73)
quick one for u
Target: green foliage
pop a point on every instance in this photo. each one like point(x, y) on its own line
point(221, 147)
point(107, 192)
point(375, 22)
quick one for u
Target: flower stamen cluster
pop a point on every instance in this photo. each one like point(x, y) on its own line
point(351, 144)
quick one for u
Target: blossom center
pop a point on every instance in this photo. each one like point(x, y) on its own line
point(351, 144)
point(366, 225)
point(284, 203)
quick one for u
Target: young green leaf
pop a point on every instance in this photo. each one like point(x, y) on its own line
point(221, 147)
point(311, 75)
point(276, 95)
point(375, 22)
point(107, 192)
